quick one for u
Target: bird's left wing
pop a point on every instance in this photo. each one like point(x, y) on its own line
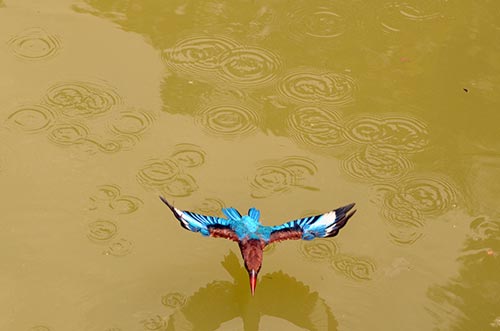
point(206, 225)
point(308, 228)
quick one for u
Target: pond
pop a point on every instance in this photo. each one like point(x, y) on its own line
point(293, 107)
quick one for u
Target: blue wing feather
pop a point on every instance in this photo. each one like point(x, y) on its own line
point(197, 222)
point(231, 213)
point(319, 226)
point(201, 223)
point(254, 213)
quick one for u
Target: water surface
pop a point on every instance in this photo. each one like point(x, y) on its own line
point(293, 107)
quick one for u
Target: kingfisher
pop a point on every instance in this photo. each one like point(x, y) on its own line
point(252, 237)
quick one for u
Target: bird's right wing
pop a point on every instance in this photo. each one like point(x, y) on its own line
point(308, 228)
point(206, 225)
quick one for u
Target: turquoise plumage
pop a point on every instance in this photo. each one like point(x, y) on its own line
point(252, 236)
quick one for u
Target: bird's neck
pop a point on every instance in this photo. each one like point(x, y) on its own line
point(252, 252)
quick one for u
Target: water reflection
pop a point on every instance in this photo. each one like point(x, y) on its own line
point(222, 301)
point(223, 59)
point(249, 66)
point(408, 203)
point(198, 53)
point(477, 282)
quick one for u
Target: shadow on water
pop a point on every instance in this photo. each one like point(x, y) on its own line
point(278, 295)
point(472, 297)
point(477, 282)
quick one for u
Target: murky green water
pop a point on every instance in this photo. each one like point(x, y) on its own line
point(293, 107)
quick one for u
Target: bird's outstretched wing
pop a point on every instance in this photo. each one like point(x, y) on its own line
point(308, 228)
point(206, 225)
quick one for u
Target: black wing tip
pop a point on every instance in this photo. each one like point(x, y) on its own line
point(172, 208)
point(342, 217)
point(165, 201)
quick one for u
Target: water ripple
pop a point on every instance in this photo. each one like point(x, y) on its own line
point(300, 167)
point(356, 268)
point(124, 141)
point(210, 206)
point(402, 215)
point(109, 199)
point(405, 235)
point(281, 176)
point(68, 133)
point(37, 327)
point(68, 110)
point(321, 22)
point(158, 173)
point(132, 122)
point(102, 145)
point(318, 250)
point(372, 164)
point(188, 155)
point(228, 120)
point(125, 204)
point(168, 175)
point(102, 230)
point(249, 66)
point(316, 87)
point(120, 247)
point(484, 228)
point(315, 126)
point(397, 133)
point(81, 99)
point(198, 53)
point(408, 203)
point(174, 300)
point(31, 118)
point(429, 195)
point(35, 44)
point(106, 193)
point(398, 16)
point(155, 323)
point(181, 186)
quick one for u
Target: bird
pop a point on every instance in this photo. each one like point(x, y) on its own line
point(252, 237)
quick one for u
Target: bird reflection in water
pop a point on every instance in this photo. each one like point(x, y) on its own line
point(282, 297)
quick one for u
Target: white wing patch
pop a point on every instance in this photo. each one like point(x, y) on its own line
point(184, 217)
point(326, 220)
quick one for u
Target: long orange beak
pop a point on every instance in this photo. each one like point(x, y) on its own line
point(253, 281)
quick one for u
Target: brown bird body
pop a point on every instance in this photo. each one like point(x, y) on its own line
point(253, 237)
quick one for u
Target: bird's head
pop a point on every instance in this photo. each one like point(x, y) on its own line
point(252, 253)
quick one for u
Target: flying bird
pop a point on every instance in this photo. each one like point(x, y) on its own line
point(252, 237)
